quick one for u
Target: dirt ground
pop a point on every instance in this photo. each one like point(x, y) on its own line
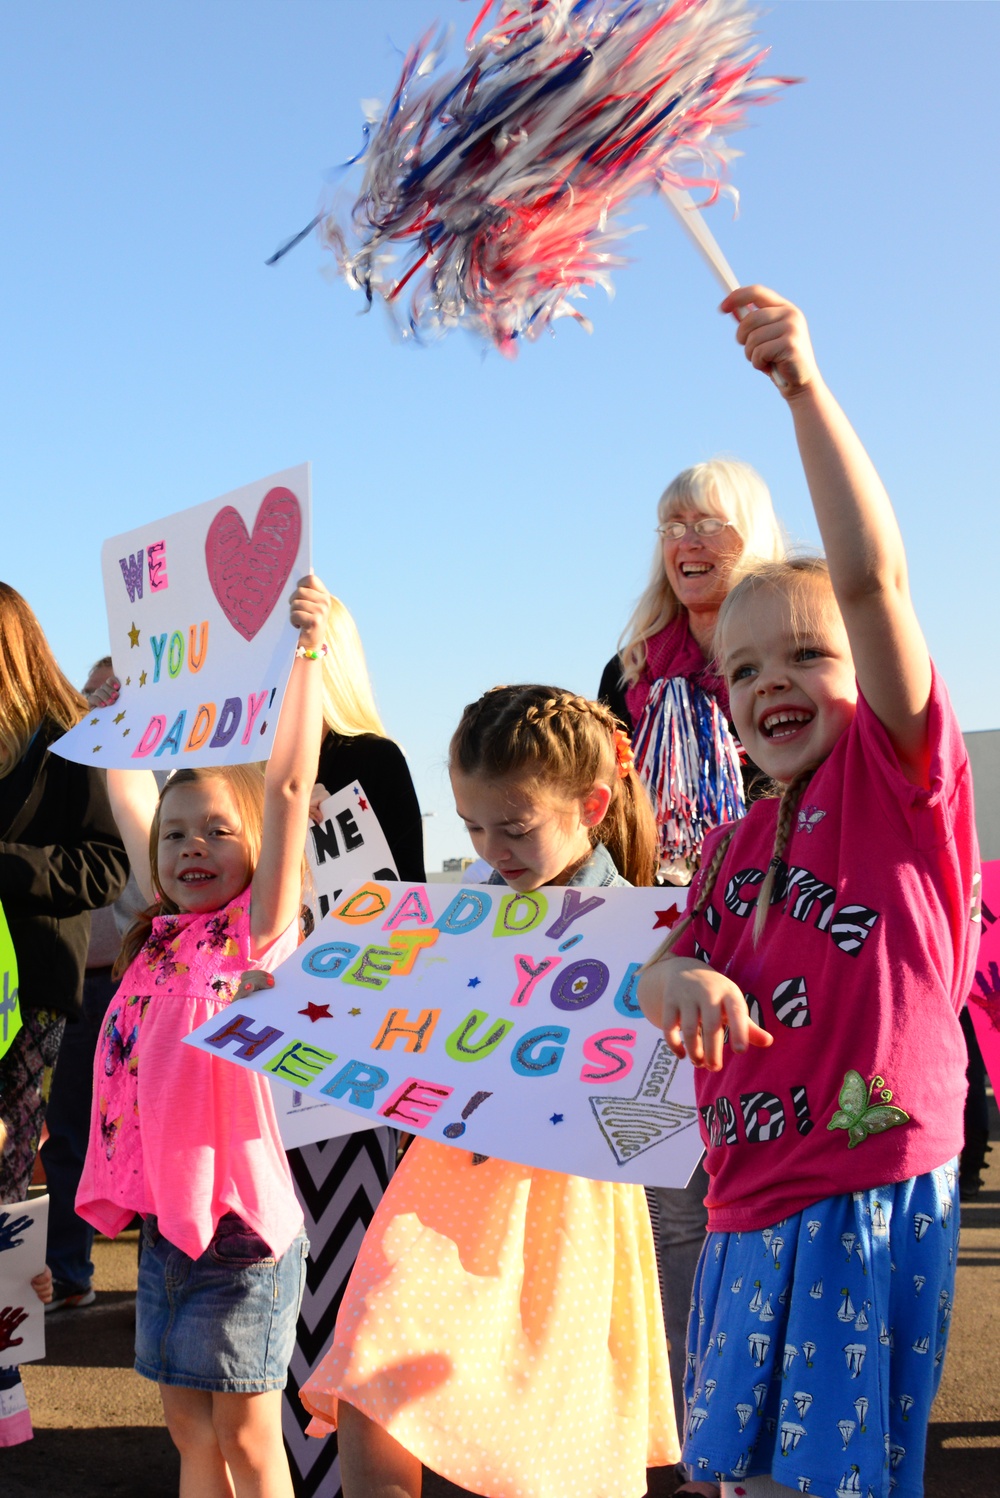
point(99, 1430)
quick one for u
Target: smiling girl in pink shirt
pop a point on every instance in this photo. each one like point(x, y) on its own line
point(829, 944)
point(187, 1140)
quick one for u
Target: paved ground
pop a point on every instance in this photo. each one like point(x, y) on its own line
point(99, 1432)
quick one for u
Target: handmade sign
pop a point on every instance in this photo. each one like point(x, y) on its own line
point(503, 1023)
point(10, 1009)
point(200, 637)
point(23, 1229)
point(345, 848)
point(304, 1119)
point(984, 1000)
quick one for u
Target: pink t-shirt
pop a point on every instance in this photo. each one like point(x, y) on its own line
point(175, 1131)
point(866, 959)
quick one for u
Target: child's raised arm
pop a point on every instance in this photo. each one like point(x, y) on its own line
point(864, 548)
point(133, 795)
point(291, 774)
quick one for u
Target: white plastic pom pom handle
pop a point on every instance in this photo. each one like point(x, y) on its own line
point(692, 221)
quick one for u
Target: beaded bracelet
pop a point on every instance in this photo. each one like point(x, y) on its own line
point(312, 655)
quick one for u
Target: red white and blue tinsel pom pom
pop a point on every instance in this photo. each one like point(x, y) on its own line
point(489, 193)
point(687, 760)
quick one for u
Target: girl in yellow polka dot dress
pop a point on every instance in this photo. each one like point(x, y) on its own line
point(502, 1325)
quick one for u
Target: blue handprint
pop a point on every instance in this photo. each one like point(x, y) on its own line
point(11, 1225)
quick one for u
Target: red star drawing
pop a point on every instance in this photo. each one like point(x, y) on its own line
point(362, 803)
point(316, 1011)
point(668, 918)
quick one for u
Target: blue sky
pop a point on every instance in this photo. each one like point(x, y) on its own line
point(485, 521)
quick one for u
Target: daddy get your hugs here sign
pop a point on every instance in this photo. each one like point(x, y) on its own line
point(199, 630)
point(503, 1023)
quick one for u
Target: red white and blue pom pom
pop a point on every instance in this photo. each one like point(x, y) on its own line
point(689, 763)
point(489, 193)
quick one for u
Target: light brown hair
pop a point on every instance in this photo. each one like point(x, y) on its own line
point(246, 783)
point(805, 582)
point(566, 743)
point(32, 687)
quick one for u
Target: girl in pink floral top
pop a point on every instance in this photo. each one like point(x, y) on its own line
point(187, 1140)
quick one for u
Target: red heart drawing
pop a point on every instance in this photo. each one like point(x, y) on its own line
point(247, 573)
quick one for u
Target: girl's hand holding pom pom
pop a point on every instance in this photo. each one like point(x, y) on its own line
point(775, 336)
point(693, 1005)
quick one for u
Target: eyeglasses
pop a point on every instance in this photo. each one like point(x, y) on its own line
point(709, 525)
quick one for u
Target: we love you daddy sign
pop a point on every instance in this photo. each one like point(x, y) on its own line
point(200, 639)
point(502, 1023)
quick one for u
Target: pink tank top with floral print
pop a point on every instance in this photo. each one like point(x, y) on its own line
point(175, 1131)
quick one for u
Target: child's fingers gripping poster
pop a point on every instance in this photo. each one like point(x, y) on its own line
point(984, 1000)
point(503, 1023)
point(200, 635)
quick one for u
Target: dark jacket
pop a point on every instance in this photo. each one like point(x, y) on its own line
point(60, 858)
point(380, 766)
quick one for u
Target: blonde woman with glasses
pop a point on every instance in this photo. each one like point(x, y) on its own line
point(714, 521)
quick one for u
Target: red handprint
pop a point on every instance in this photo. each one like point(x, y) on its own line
point(10, 1319)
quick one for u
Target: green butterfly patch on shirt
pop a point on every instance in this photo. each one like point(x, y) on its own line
point(859, 1112)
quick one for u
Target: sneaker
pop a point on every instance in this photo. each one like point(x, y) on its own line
point(69, 1297)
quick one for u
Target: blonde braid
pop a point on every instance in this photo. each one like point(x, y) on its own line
point(791, 795)
point(704, 895)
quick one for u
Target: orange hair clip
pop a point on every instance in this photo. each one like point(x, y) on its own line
point(623, 753)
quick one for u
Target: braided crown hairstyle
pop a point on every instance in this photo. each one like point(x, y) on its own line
point(566, 743)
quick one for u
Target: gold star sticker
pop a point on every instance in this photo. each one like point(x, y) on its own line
point(93, 721)
point(126, 732)
point(128, 681)
point(96, 749)
point(354, 1011)
point(118, 718)
point(133, 636)
point(142, 679)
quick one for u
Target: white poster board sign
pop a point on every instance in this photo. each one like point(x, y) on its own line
point(500, 1022)
point(304, 1119)
point(23, 1232)
point(200, 638)
point(347, 847)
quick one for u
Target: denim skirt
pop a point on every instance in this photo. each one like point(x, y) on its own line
point(224, 1322)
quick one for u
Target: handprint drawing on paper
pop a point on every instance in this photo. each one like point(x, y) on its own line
point(9, 1226)
point(10, 1319)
